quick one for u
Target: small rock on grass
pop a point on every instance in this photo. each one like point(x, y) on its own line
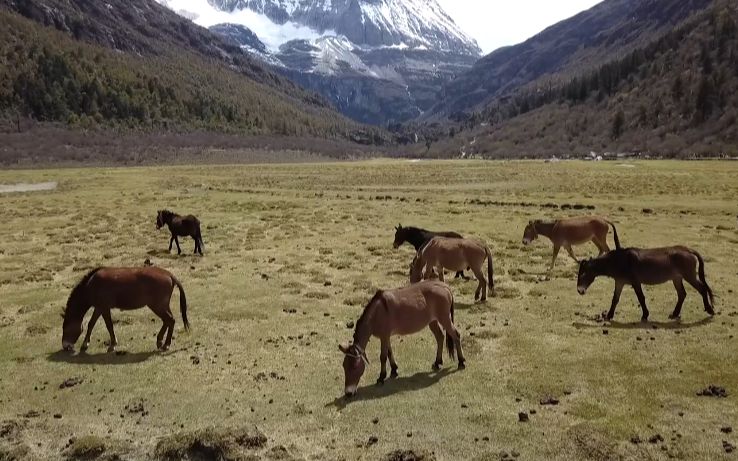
point(372, 440)
point(523, 417)
point(726, 429)
point(71, 382)
point(713, 391)
point(549, 401)
point(728, 447)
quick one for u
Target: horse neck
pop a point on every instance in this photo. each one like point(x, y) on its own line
point(363, 331)
point(604, 265)
point(78, 307)
point(417, 238)
point(545, 228)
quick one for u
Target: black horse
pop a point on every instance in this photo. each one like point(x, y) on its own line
point(182, 226)
point(419, 237)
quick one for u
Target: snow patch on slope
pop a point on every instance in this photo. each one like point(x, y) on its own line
point(273, 35)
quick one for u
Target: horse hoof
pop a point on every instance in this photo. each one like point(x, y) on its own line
point(380, 382)
point(644, 319)
point(462, 366)
point(673, 317)
point(710, 312)
point(394, 374)
point(111, 349)
point(483, 300)
point(437, 366)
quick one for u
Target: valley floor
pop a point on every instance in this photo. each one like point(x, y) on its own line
point(292, 254)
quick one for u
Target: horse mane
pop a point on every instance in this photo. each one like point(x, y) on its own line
point(366, 313)
point(79, 287)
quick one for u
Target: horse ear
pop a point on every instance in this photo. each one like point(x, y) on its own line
point(343, 349)
point(399, 226)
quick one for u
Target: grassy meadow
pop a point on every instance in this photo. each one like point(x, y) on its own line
point(292, 254)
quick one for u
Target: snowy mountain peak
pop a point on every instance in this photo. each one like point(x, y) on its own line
point(373, 23)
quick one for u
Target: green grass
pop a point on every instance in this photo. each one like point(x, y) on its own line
point(292, 253)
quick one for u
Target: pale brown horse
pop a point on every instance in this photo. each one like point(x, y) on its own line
point(572, 231)
point(402, 312)
point(106, 288)
point(454, 254)
point(181, 226)
point(636, 267)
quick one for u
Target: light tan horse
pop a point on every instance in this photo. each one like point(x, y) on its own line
point(402, 312)
point(572, 231)
point(454, 254)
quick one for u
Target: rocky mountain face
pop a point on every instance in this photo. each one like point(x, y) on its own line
point(378, 61)
point(585, 41)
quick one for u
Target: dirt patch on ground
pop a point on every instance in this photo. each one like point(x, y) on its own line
point(25, 187)
point(588, 443)
point(409, 455)
point(211, 443)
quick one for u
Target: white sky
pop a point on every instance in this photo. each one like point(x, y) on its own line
point(497, 23)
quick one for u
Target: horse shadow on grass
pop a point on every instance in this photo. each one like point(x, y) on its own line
point(649, 325)
point(103, 358)
point(397, 386)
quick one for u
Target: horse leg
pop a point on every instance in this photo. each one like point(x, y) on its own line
point(105, 312)
point(700, 287)
point(90, 326)
point(615, 300)
point(383, 359)
point(571, 253)
point(481, 286)
point(436, 329)
point(556, 249)
point(393, 364)
point(171, 240)
point(168, 319)
point(162, 330)
point(439, 268)
point(601, 244)
point(179, 250)
point(681, 294)
point(642, 300)
point(451, 330)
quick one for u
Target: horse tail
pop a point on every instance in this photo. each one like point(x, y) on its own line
point(701, 274)
point(490, 269)
point(198, 236)
point(615, 235)
point(450, 345)
point(182, 303)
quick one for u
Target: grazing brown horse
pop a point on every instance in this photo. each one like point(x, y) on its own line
point(106, 288)
point(572, 231)
point(636, 267)
point(182, 226)
point(454, 254)
point(402, 312)
point(418, 237)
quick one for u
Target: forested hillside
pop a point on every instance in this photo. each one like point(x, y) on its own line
point(150, 70)
point(675, 96)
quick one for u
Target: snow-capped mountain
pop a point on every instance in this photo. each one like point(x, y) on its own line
point(374, 23)
point(378, 61)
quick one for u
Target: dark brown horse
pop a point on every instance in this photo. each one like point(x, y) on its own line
point(181, 226)
point(418, 237)
point(636, 267)
point(403, 311)
point(106, 288)
point(572, 231)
